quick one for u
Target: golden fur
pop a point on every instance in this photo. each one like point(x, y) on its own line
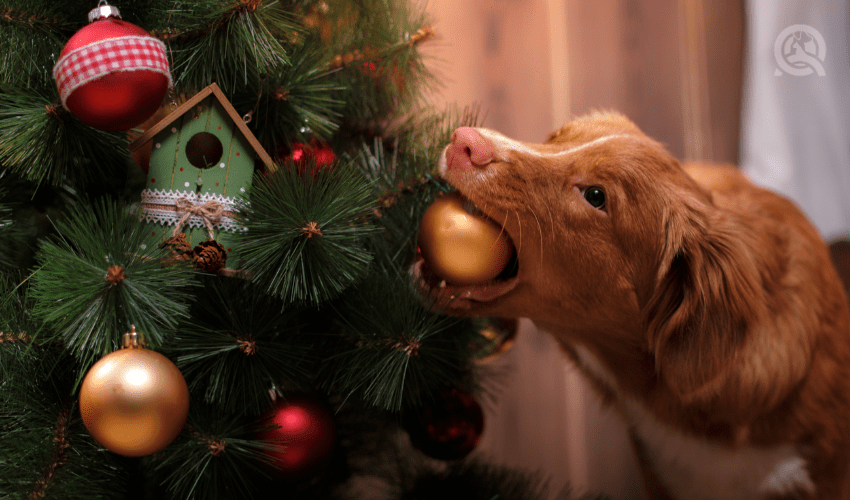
point(711, 301)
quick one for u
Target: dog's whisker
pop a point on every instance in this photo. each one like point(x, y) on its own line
point(551, 223)
point(502, 230)
point(518, 244)
point(539, 230)
point(505, 223)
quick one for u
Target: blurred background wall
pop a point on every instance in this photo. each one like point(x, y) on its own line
point(680, 69)
point(673, 66)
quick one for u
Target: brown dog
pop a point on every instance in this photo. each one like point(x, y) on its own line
point(705, 309)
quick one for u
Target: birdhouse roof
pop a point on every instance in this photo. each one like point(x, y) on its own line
point(191, 103)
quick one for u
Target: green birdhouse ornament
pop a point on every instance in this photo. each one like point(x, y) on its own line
point(201, 166)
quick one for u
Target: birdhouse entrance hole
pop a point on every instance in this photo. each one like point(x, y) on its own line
point(204, 150)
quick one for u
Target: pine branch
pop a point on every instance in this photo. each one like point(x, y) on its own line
point(425, 134)
point(46, 452)
point(422, 35)
point(394, 352)
point(8, 234)
point(59, 457)
point(19, 15)
point(234, 44)
point(31, 209)
point(402, 174)
point(237, 344)
point(298, 102)
point(44, 143)
point(396, 166)
point(31, 36)
point(381, 68)
point(215, 457)
point(401, 201)
point(304, 238)
point(87, 310)
point(18, 327)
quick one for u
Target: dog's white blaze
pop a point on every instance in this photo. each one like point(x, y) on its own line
point(788, 478)
point(442, 166)
point(692, 468)
point(507, 144)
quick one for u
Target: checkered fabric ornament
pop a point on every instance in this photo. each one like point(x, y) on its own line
point(111, 74)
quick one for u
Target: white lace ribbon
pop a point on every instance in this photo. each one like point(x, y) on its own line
point(161, 207)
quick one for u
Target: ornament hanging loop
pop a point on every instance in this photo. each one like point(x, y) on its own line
point(103, 11)
point(171, 97)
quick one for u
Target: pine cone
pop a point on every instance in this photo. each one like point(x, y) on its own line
point(181, 250)
point(209, 256)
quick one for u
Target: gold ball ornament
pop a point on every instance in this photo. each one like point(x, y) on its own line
point(460, 247)
point(134, 401)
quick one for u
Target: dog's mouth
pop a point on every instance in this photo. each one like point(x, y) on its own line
point(455, 296)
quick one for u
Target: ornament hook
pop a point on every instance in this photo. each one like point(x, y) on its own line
point(274, 392)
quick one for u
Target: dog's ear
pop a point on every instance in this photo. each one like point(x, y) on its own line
point(705, 317)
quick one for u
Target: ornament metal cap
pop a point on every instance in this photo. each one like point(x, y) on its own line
point(132, 339)
point(103, 11)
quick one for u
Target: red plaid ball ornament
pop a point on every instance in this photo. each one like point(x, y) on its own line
point(111, 74)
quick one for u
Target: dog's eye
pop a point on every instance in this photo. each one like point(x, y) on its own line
point(595, 196)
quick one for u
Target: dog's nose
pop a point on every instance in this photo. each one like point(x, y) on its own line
point(469, 148)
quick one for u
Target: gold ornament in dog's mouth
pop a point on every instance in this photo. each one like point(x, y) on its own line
point(460, 245)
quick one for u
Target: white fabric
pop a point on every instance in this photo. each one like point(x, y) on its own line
point(153, 199)
point(796, 129)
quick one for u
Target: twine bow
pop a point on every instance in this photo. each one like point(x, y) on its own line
point(209, 212)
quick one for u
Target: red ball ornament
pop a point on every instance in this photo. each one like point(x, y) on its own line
point(314, 156)
point(449, 429)
point(305, 433)
point(112, 75)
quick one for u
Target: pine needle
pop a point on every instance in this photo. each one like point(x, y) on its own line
point(87, 311)
point(214, 458)
point(46, 144)
point(46, 451)
point(233, 43)
point(392, 351)
point(304, 238)
point(31, 36)
point(298, 102)
point(238, 343)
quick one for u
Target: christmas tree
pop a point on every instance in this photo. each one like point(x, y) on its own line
point(244, 199)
